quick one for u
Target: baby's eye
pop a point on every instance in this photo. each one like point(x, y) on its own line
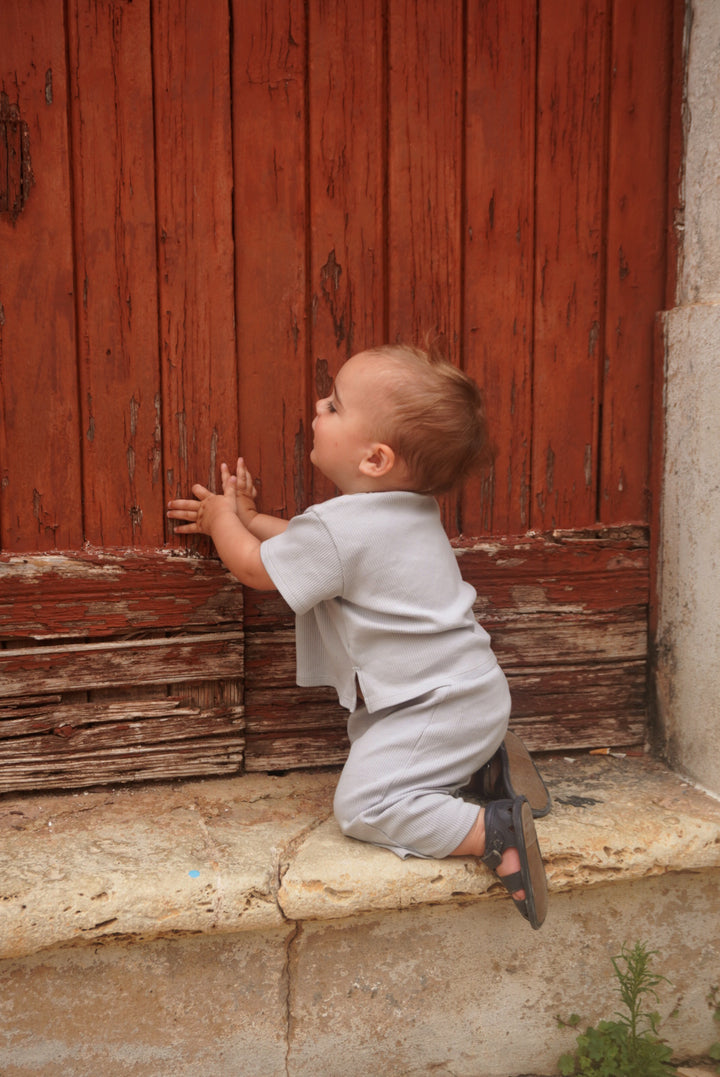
point(330, 406)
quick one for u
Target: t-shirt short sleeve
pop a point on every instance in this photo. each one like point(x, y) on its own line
point(303, 563)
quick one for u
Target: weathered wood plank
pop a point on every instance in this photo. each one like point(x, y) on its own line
point(19, 718)
point(568, 618)
point(563, 708)
point(193, 103)
point(313, 745)
point(195, 758)
point(529, 641)
point(538, 640)
point(347, 165)
point(104, 593)
point(575, 732)
point(110, 59)
point(541, 694)
point(68, 741)
point(498, 251)
point(636, 247)
point(27, 704)
point(294, 753)
point(41, 502)
point(269, 134)
point(544, 693)
point(425, 178)
point(603, 570)
point(75, 667)
point(425, 101)
point(572, 77)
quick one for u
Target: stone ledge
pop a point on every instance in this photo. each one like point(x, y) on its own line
point(252, 853)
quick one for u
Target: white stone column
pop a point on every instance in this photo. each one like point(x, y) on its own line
point(688, 641)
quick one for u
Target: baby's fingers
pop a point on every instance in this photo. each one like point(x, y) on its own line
point(183, 509)
point(244, 478)
point(227, 479)
point(186, 529)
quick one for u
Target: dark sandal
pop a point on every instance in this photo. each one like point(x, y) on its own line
point(509, 774)
point(509, 825)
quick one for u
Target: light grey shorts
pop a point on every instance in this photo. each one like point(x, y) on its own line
point(399, 786)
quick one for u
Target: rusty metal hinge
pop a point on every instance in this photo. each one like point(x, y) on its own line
point(16, 174)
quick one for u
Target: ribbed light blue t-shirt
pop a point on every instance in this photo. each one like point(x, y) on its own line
point(378, 596)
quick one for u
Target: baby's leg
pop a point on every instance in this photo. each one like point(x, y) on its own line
point(398, 788)
point(474, 845)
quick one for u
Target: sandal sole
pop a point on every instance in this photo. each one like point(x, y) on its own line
point(521, 777)
point(534, 907)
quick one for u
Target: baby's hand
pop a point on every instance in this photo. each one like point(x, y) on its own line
point(201, 515)
point(242, 485)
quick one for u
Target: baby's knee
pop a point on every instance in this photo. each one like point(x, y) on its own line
point(345, 808)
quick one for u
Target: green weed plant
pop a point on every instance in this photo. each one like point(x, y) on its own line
point(630, 1045)
point(714, 1004)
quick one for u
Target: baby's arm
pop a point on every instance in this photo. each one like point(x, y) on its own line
point(216, 515)
point(259, 524)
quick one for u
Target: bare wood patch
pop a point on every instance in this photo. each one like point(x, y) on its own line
point(567, 614)
point(102, 665)
point(106, 593)
point(192, 758)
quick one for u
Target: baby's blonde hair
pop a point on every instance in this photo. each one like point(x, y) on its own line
point(434, 418)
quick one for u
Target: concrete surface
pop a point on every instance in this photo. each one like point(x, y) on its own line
point(229, 855)
point(226, 927)
point(688, 642)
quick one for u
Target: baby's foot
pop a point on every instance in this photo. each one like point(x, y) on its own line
point(509, 864)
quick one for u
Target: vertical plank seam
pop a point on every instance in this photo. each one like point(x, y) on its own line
point(242, 681)
point(162, 376)
point(603, 330)
point(234, 164)
point(72, 152)
point(309, 394)
point(385, 164)
point(461, 335)
point(530, 475)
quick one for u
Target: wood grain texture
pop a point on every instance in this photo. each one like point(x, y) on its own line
point(118, 666)
point(76, 667)
point(115, 238)
point(40, 478)
point(105, 594)
point(193, 146)
point(425, 102)
point(425, 180)
point(50, 766)
point(568, 619)
point(225, 201)
point(259, 190)
point(567, 614)
point(568, 348)
point(498, 253)
point(636, 250)
point(347, 170)
point(269, 74)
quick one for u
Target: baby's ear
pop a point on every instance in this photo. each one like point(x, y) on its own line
point(378, 461)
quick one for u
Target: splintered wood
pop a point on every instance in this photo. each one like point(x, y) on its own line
point(123, 665)
point(118, 666)
point(568, 617)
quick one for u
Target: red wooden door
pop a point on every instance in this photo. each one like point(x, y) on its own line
point(204, 210)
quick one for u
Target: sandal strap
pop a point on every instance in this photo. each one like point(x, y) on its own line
point(499, 832)
point(512, 883)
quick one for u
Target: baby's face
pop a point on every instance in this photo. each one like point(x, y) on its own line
point(346, 419)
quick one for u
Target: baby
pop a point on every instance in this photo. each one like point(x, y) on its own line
point(384, 616)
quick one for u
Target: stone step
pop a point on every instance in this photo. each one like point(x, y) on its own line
point(227, 927)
